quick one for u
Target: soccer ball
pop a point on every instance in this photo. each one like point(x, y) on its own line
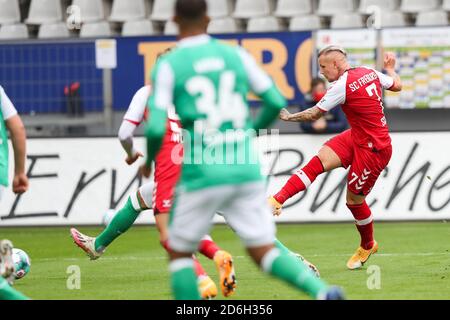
point(108, 216)
point(22, 263)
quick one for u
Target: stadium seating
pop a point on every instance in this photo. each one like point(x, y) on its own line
point(149, 17)
point(10, 12)
point(44, 11)
point(138, 28)
point(432, 18)
point(302, 23)
point(219, 8)
point(346, 20)
point(333, 7)
point(91, 10)
point(446, 5)
point(292, 8)
point(13, 31)
point(53, 30)
point(263, 24)
point(162, 10)
point(385, 5)
point(170, 28)
point(415, 6)
point(95, 29)
point(246, 9)
point(223, 25)
point(125, 10)
point(392, 19)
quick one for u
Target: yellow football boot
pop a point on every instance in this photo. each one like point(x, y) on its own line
point(207, 288)
point(361, 256)
point(225, 267)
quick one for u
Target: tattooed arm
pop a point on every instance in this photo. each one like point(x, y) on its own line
point(311, 114)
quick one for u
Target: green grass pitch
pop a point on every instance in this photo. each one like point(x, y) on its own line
point(413, 263)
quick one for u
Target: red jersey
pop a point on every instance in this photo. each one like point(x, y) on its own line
point(169, 158)
point(359, 92)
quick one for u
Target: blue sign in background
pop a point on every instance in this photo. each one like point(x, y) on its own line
point(34, 73)
point(129, 75)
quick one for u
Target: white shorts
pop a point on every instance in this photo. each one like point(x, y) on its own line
point(2, 191)
point(244, 208)
point(146, 191)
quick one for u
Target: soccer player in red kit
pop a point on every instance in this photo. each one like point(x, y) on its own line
point(365, 147)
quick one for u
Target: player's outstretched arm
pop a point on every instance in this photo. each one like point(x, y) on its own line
point(389, 67)
point(334, 97)
point(18, 139)
point(126, 132)
point(311, 114)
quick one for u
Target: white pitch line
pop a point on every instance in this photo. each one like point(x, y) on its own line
point(417, 254)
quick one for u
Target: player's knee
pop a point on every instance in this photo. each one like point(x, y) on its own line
point(329, 159)
point(141, 199)
point(354, 199)
point(258, 253)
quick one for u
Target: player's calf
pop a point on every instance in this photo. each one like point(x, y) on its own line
point(290, 269)
point(364, 224)
point(301, 180)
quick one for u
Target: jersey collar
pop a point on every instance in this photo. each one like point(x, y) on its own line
point(194, 41)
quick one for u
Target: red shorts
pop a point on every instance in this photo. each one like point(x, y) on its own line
point(365, 164)
point(167, 173)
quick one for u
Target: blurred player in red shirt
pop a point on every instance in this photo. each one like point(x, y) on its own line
point(365, 147)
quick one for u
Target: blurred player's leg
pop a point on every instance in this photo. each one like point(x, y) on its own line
point(6, 260)
point(208, 247)
point(286, 250)
point(9, 293)
point(6, 271)
point(183, 279)
point(278, 244)
point(124, 219)
point(191, 220)
point(206, 286)
point(121, 222)
point(224, 264)
point(249, 206)
point(291, 270)
point(225, 267)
